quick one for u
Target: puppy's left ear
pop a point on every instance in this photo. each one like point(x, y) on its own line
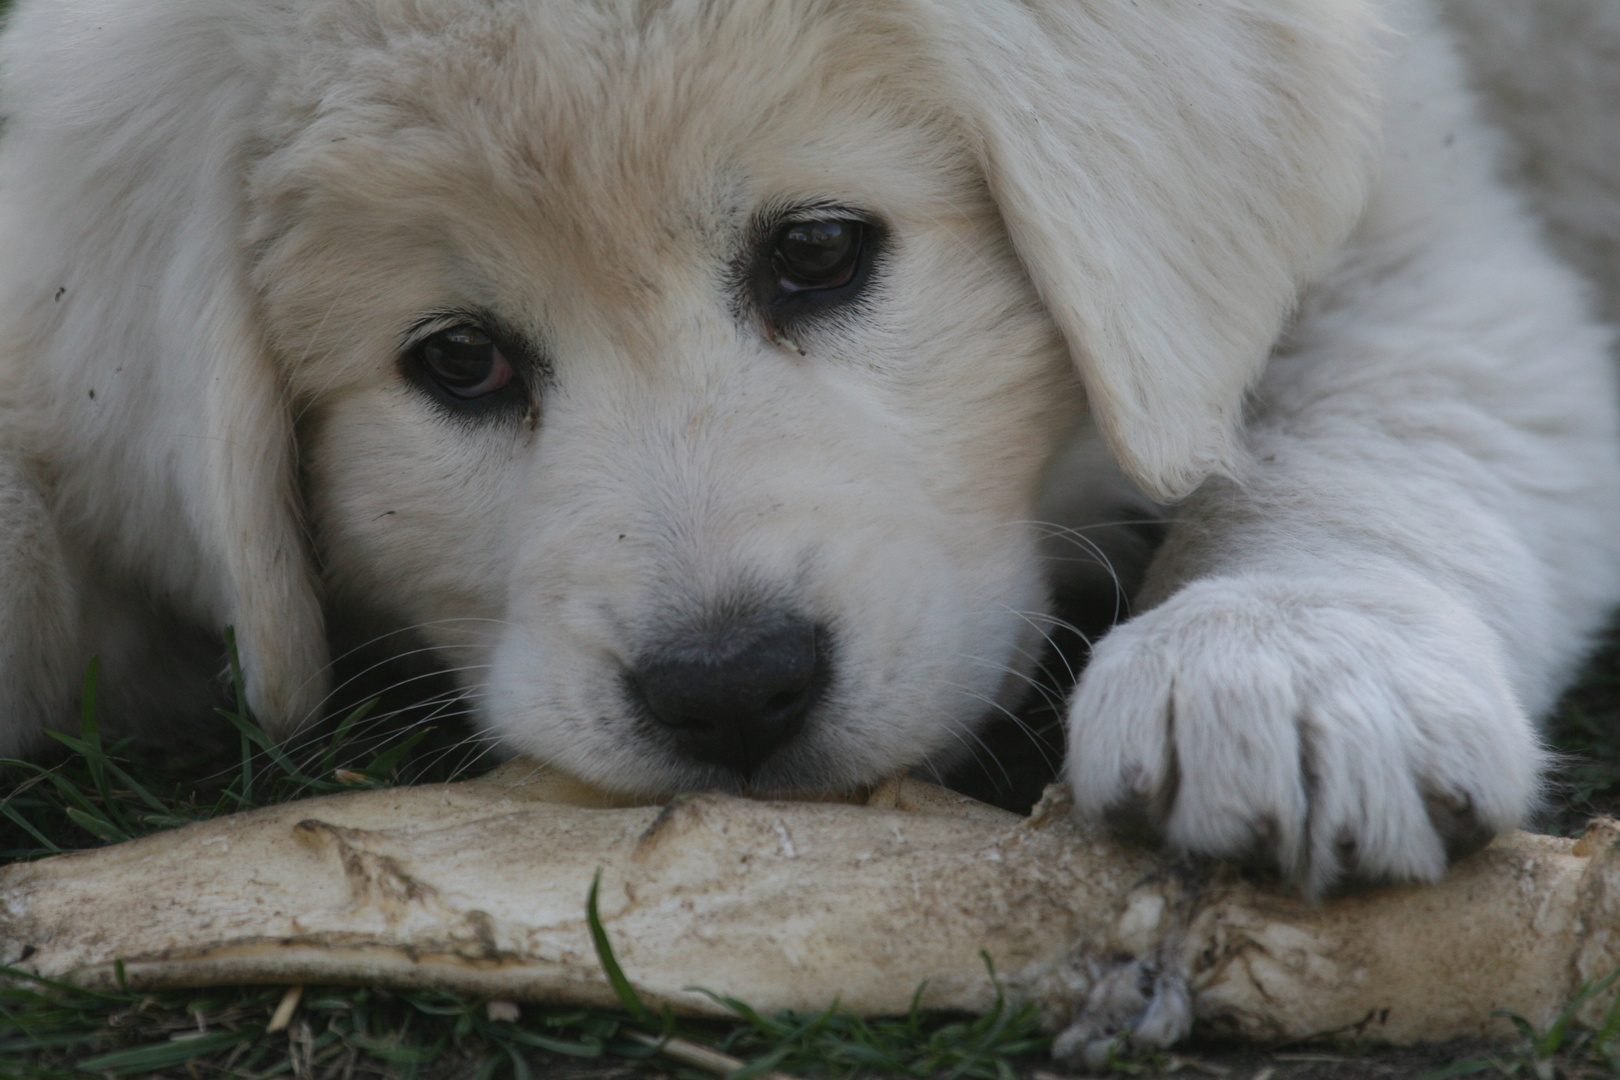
point(1169, 173)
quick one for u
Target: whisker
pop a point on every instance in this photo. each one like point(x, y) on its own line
point(358, 676)
point(1051, 699)
point(1030, 618)
point(1022, 724)
point(958, 734)
point(413, 628)
point(1099, 557)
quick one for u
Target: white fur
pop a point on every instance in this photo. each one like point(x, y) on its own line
point(220, 217)
point(1408, 567)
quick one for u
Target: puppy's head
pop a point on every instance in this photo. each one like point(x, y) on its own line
point(685, 372)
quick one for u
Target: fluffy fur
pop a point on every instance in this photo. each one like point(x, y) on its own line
point(1255, 252)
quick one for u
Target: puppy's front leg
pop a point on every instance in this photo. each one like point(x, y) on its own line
point(1342, 647)
point(1340, 675)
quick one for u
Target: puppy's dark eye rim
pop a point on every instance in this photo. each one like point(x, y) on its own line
point(467, 360)
point(786, 297)
point(817, 253)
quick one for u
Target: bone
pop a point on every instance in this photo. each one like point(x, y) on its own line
point(481, 886)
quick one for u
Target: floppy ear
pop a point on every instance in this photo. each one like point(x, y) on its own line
point(165, 423)
point(1169, 172)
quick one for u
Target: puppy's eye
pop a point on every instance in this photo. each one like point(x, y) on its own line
point(464, 363)
point(813, 255)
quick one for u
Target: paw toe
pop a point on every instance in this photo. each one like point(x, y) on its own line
point(1137, 818)
point(1457, 821)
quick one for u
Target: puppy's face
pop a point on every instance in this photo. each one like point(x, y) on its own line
point(671, 371)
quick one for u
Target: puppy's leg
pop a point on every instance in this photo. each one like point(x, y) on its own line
point(1348, 640)
point(40, 657)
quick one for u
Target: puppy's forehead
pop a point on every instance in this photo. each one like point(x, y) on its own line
point(582, 117)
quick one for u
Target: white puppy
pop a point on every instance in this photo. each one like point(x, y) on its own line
point(686, 374)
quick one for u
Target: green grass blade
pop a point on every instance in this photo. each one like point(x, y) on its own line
point(334, 746)
point(57, 984)
point(146, 1059)
point(520, 1067)
point(255, 736)
point(762, 1065)
point(1608, 1033)
point(744, 1012)
point(1553, 1041)
point(383, 765)
point(581, 1048)
point(86, 748)
point(97, 825)
point(27, 826)
point(487, 1067)
point(96, 757)
point(610, 964)
point(1461, 1068)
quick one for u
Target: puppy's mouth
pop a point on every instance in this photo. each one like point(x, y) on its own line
point(734, 701)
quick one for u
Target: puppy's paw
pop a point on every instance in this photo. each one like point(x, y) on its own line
point(1331, 731)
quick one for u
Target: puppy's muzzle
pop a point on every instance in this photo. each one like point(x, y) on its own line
point(734, 695)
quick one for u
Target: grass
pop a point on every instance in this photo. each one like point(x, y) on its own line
point(1563, 1049)
point(1586, 732)
point(95, 791)
point(56, 1031)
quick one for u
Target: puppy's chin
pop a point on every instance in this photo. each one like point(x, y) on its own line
point(637, 762)
point(801, 772)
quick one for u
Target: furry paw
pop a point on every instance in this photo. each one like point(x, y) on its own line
point(1332, 730)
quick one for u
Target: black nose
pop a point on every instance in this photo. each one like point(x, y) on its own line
point(736, 695)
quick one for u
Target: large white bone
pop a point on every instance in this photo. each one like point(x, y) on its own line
point(481, 886)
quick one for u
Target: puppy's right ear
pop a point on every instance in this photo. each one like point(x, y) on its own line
point(1169, 171)
point(163, 419)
